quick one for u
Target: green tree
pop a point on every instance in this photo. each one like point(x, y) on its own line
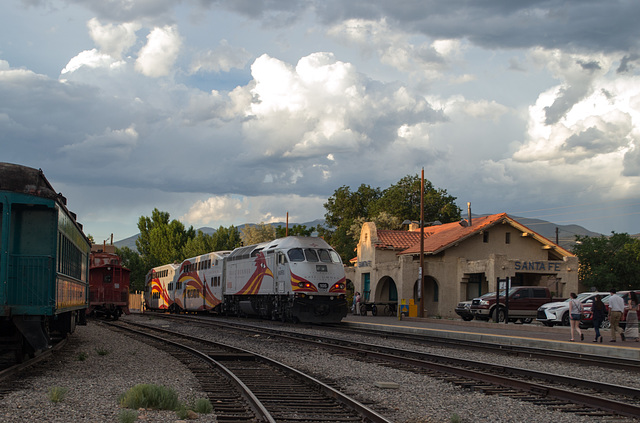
point(227, 238)
point(133, 261)
point(162, 241)
point(258, 233)
point(402, 200)
point(295, 230)
point(608, 262)
point(346, 211)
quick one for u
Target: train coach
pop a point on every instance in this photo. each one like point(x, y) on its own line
point(44, 262)
point(109, 283)
point(289, 279)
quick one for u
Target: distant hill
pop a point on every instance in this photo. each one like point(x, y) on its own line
point(566, 233)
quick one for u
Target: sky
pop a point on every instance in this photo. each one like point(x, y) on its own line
point(230, 112)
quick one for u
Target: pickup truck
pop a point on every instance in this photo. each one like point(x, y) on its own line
point(524, 302)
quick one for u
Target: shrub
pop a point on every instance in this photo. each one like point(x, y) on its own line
point(82, 356)
point(150, 396)
point(57, 393)
point(202, 406)
point(127, 416)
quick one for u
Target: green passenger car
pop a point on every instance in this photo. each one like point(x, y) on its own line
point(44, 267)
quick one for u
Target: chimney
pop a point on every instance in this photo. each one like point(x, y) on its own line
point(469, 212)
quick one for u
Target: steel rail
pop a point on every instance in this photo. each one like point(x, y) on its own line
point(369, 414)
point(490, 372)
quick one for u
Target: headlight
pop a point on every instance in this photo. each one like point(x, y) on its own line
point(484, 302)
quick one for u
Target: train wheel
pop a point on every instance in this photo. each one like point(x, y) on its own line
point(374, 310)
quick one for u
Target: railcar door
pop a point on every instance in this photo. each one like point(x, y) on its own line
point(282, 275)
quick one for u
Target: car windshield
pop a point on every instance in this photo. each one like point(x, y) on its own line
point(491, 294)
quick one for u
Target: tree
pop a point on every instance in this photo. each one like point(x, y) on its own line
point(295, 230)
point(608, 262)
point(133, 261)
point(162, 241)
point(402, 200)
point(258, 233)
point(347, 210)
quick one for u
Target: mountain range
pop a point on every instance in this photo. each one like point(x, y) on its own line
point(565, 234)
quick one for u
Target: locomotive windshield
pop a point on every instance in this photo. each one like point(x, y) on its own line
point(312, 255)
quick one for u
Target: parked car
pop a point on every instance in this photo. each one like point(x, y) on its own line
point(463, 309)
point(587, 317)
point(523, 304)
point(557, 313)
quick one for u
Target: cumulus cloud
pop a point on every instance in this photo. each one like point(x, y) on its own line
point(113, 40)
point(323, 105)
point(220, 209)
point(221, 59)
point(394, 48)
point(157, 57)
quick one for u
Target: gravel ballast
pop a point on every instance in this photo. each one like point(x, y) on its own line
point(95, 384)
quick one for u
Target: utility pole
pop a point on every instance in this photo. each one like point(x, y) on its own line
point(421, 271)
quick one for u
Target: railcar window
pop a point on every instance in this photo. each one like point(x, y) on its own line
point(255, 252)
point(311, 255)
point(324, 256)
point(170, 287)
point(296, 254)
point(335, 257)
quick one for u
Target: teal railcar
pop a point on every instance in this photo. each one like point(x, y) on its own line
point(44, 262)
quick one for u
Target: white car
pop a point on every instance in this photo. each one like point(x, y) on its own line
point(557, 313)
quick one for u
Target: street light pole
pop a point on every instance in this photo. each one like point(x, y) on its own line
point(421, 272)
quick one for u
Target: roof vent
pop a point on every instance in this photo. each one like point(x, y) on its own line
point(463, 223)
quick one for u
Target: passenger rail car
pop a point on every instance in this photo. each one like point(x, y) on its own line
point(108, 283)
point(293, 279)
point(156, 295)
point(44, 261)
point(290, 279)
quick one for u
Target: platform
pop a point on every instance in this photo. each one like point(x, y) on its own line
point(527, 335)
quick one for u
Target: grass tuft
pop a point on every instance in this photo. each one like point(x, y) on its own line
point(82, 356)
point(150, 396)
point(202, 406)
point(127, 416)
point(57, 393)
point(102, 351)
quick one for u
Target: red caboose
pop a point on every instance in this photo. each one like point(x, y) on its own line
point(108, 283)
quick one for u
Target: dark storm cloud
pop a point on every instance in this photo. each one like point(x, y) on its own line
point(626, 64)
point(586, 25)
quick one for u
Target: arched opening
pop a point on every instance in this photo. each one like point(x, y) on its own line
point(432, 294)
point(387, 290)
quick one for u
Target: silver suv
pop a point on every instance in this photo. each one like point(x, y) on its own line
point(557, 313)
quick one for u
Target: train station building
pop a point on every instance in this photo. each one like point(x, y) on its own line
point(462, 260)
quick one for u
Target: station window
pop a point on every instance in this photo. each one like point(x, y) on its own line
point(507, 238)
point(485, 237)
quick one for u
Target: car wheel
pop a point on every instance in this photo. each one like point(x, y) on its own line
point(605, 325)
point(467, 318)
point(499, 315)
point(565, 319)
point(526, 320)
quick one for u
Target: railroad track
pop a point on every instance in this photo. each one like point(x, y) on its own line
point(568, 394)
point(243, 386)
point(9, 369)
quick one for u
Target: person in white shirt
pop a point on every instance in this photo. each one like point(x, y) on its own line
point(616, 307)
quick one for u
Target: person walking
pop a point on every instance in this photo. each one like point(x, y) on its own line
point(631, 328)
point(575, 312)
point(599, 311)
point(357, 303)
point(616, 307)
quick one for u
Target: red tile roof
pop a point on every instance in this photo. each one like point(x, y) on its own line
point(397, 240)
point(440, 237)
